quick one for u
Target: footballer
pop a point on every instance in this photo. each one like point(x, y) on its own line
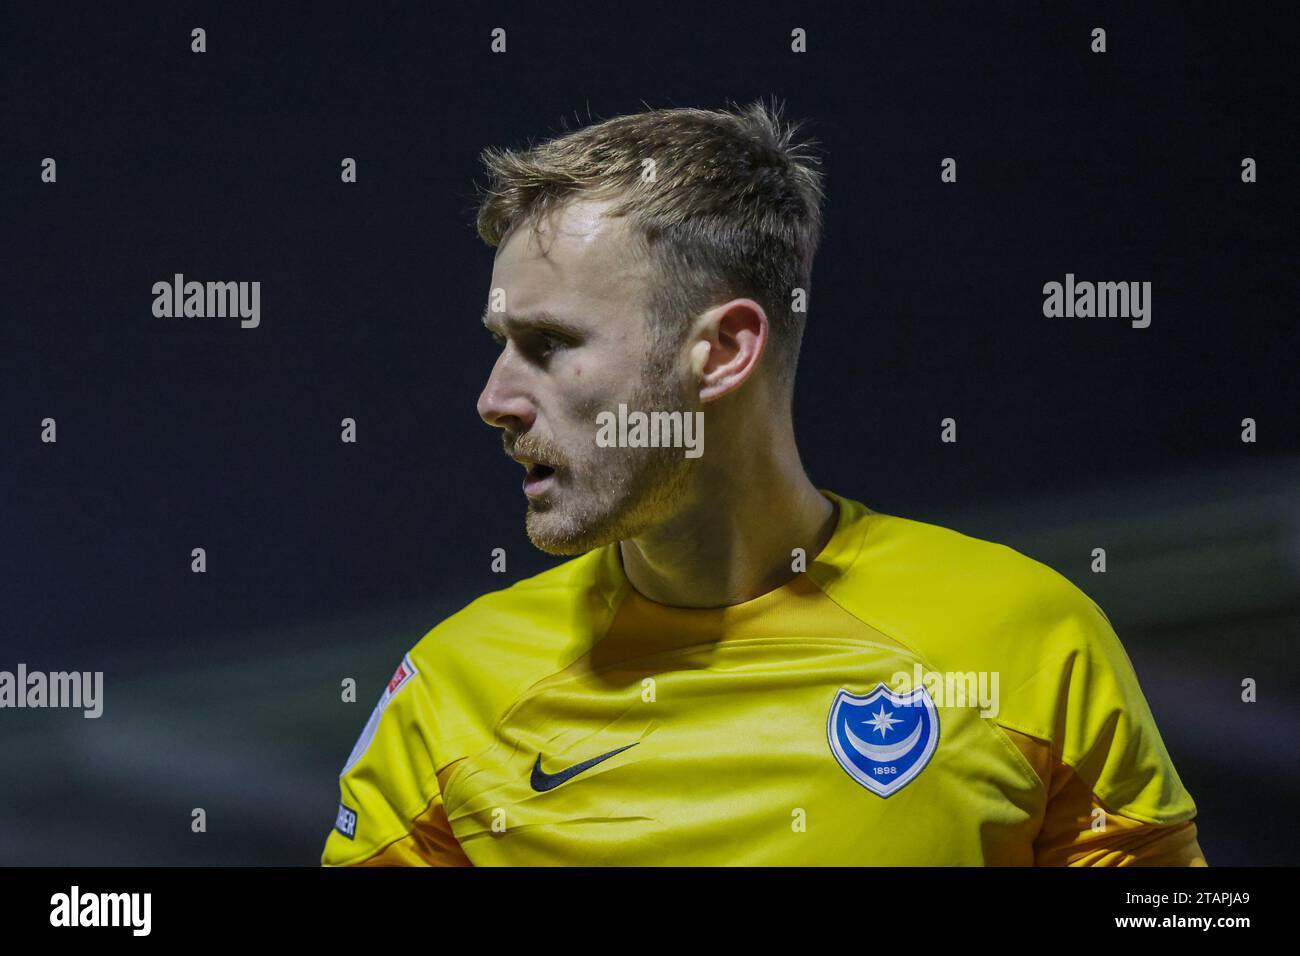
point(727, 670)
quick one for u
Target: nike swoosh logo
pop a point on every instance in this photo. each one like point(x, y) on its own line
point(541, 781)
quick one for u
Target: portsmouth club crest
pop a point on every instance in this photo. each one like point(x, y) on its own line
point(883, 739)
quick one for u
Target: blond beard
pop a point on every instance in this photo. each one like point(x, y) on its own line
point(637, 489)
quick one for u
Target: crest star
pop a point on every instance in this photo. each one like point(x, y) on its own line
point(883, 722)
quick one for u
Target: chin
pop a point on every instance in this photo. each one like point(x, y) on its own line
point(562, 547)
point(555, 541)
point(549, 533)
point(581, 523)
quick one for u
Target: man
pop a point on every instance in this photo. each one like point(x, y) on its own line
point(738, 668)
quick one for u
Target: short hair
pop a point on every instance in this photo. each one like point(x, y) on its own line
point(733, 208)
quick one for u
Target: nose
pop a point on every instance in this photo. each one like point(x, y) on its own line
point(504, 403)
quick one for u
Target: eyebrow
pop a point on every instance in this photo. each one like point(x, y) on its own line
point(537, 320)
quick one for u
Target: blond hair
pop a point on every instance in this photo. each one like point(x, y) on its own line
point(733, 207)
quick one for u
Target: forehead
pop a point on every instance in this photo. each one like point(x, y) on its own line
point(578, 259)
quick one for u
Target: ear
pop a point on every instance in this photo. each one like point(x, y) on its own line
point(727, 343)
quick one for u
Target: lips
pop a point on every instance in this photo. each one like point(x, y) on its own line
point(539, 475)
point(538, 478)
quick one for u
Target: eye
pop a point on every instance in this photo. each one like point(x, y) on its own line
point(542, 343)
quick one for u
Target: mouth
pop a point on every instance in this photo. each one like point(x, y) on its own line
point(538, 478)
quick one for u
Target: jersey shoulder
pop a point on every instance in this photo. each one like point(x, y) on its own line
point(943, 592)
point(965, 605)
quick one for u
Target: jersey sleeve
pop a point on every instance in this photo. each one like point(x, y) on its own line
point(1113, 795)
point(1079, 830)
point(390, 795)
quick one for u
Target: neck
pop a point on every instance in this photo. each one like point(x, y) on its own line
point(731, 543)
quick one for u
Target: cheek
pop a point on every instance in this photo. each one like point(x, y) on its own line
point(589, 385)
point(585, 401)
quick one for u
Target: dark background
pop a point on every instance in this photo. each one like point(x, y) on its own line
point(328, 560)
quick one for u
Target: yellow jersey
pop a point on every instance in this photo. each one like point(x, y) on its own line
point(914, 697)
